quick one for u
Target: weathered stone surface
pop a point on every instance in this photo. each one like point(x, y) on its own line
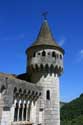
point(34, 100)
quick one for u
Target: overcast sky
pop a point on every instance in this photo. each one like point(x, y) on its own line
point(20, 21)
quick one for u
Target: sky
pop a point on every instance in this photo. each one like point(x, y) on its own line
point(20, 21)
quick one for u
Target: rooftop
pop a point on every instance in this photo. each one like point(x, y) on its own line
point(45, 37)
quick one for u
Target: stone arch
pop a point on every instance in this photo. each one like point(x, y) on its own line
point(40, 94)
point(33, 92)
point(41, 66)
point(46, 67)
point(24, 91)
point(56, 69)
point(62, 69)
point(59, 70)
point(36, 66)
point(20, 91)
point(29, 92)
point(36, 94)
point(15, 90)
point(52, 68)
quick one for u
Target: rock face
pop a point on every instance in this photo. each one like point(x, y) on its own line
point(33, 97)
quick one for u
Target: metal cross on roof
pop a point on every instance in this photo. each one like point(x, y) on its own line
point(45, 15)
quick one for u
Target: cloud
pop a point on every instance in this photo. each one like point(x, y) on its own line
point(80, 56)
point(62, 41)
point(81, 52)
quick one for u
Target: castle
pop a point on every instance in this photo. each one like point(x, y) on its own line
point(32, 98)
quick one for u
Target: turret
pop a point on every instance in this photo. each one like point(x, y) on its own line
point(45, 65)
point(45, 54)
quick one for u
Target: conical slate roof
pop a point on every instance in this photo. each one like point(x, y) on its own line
point(45, 36)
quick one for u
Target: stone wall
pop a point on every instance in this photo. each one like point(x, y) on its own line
point(14, 89)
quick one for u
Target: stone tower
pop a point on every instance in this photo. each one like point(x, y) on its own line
point(45, 66)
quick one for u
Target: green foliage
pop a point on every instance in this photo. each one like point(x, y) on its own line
point(72, 113)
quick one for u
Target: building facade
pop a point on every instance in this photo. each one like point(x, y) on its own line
point(32, 98)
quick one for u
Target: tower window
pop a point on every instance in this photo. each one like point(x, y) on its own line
point(15, 89)
point(43, 53)
point(53, 54)
point(60, 56)
point(34, 54)
point(48, 95)
point(2, 88)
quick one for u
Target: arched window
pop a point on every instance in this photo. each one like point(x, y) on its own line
point(20, 90)
point(48, 95)
point(43, 53)
point(41, 66)
point(24, 91)
point(60, 56)
point(34, 54)
point(15, 89)
point(2, 88)
point(29, 92)
point(53, 54)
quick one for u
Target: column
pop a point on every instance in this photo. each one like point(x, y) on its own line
point(28, 111)
point(20, 111)
point(15, 110)
point(23, 105)
point(24, 111)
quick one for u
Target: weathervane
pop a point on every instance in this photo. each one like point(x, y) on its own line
point(44, 14)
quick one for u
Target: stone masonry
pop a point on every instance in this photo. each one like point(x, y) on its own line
point(32, 98)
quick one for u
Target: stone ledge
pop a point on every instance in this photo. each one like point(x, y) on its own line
point(21, 123)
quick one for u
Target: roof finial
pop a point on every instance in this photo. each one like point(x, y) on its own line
point(44, 14)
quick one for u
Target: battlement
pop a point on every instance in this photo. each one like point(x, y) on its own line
point(48, 60)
